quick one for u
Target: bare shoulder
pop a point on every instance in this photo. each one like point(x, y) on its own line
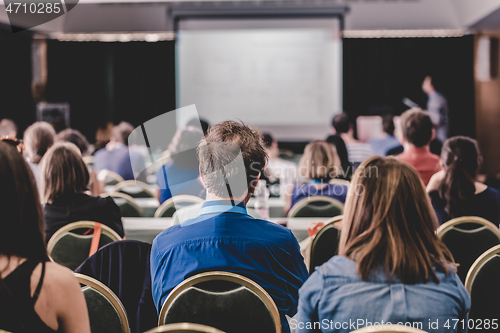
point(60, 277)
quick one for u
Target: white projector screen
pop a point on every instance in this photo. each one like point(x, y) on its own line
point(278, 74)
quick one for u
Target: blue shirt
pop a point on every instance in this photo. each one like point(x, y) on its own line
point(116, 160)
point(179, 180)
point(226, 238)
point(382, 146)
point(335, 191)
point(336, 295)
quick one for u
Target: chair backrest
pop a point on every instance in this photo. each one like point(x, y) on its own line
point(325, 244)
point(69, 246)
point(384, 329)
point(309, 207)
point(106, 312)
point(184, 328)
point(168, 208)
point(133, 188)
point(128, 206)
point(109, 177)
point(467, 238)
point(483, 287)
point(88, 160)
point(338, 181)
point(124, 267)
point(227, 301)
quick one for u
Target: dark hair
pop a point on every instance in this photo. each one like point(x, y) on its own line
point(182, 148)
point(389, 222)
point(388, 124)
point(461, 158)
point(21, 224)
point(341, 123)
point(75, 137)
point(417, 127)
point(204, 124)
point(63, 171)
point(267, 139)
point(218, 155)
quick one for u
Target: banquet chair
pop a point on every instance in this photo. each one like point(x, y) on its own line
point(133, 188)
point(393, 329)
point(71, 245)
point(226, 301)
point(106, 312)
point(108, 177)
point(128, 206)
point(168, 208)
point(184, 328)
point(467, 238)
point(309, 207)
point(325, 244)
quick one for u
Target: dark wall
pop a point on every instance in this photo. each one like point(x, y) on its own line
point(379, 73)
point(102, 82)
point(16, 101)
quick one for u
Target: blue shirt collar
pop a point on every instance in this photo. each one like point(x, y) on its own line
point(222, 206)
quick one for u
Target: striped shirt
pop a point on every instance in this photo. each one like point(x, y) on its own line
point(358, 152)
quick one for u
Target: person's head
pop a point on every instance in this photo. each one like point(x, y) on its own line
point(417, 127)
point(38, 138)
point(22, 231)
point(428, 85)
point(204, 124)
point(63, 172)
point(181, 149)
point(232, 153)
point(388, 124)
point(74, 136)
point(271, 145)
point(460, 158)
point(103, 133)
point(341, 123)
point(320, 161)
point(8, 128)
point(389, 223)
point(121, 132)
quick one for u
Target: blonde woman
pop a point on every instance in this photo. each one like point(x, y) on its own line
point(65, 178)
point(391, 267)
point(319, 164)
point(38, 138)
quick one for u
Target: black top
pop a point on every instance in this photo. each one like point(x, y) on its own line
point(17, 307)
point(342, 152)
point(485, 204)
point(81, 207)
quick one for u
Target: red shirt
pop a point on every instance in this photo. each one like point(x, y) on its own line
point(425, 162)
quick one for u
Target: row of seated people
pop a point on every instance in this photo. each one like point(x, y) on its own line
point(391, 266)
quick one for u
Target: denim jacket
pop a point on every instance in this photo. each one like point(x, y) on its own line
point(336, 299)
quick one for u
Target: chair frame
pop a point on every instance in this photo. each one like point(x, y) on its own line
point(478, 264)
point(89, 159)
point(445, 227)
point(314, 198)
point(224, 276)
point(337, 181)
point(188, 327)
point(171, 203)
point(108, 173)
point(79, 225)
point(116, 188)
point(331, 222)
point(127, 197)
point(109, 294)
point(388, 330)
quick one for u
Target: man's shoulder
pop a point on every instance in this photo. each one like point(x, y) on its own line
point(242, 227)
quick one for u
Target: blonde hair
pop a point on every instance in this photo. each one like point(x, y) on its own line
point(38, 138)
point(320, 161)
point(63, 171)
point(389, 222)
